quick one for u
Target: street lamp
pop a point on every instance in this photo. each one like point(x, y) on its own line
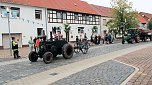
point(8, 16)
point(122, 28)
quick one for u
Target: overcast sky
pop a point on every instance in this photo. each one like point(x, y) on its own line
point(139, 5)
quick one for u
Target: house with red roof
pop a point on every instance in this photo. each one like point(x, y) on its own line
point(106, 15)
point(142, 21)
point(147, 16)
point(45, 17)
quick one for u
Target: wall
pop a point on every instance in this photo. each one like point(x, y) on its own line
point(103, 27)
point(22, 25)
point(74, 30)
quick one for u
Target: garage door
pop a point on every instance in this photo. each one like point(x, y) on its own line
point(5, 38)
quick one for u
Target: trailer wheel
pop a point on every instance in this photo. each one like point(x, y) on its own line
point(48, 57)
point(33, 56)
point(67, 51)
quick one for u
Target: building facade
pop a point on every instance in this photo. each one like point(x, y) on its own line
point(23, 23)
point(105, 16)
point(45, 18)
point(142, 22)
point(147, 17)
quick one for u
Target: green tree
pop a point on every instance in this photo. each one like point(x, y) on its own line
point(94, 29)
point(67, 29)
point(150, 24)
point(124, 17)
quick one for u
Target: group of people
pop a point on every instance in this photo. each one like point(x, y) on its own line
point(81, 39)
point(34, 43)
point(108, 38)
point(95, 39)
point(57, 36)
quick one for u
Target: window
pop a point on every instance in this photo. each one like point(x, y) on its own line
point(144, 25)
point(56, 16)
point(3, 11)
point(39, 31)
point(93, 18)
point(59, 15)
point(90, 18)
point(58, 29)
point(87, 17)
point(15, 12)
point(38, 14)
point(76, 17)
point(84, 17)
point(54, 30)
point(64, 15)
point(80, 29)
point(104, 22)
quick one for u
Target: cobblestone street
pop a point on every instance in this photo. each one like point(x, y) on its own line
point(110, 73)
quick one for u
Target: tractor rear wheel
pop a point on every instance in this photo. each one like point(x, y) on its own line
point(67, 51)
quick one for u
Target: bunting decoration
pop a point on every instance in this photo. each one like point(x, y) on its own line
point(25, 20)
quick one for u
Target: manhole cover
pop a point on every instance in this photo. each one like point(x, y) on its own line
point(53, 74)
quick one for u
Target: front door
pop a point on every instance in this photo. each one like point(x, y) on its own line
point(5, 39)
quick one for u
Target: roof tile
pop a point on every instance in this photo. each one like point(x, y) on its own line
point(141, 19)
point(69, 5)
point(148, 15)
point(103, 11)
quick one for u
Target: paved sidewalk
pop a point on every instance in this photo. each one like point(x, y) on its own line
point(107, 73)
point(5, 54)
point(143, 60)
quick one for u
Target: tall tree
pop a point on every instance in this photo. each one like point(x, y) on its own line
point(124, 17)
point(150, 24)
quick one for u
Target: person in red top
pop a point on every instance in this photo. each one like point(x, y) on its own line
point(37, 43)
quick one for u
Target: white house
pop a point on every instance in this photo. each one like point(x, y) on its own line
point(23, 23)
point(106, 15)
point(30, 18)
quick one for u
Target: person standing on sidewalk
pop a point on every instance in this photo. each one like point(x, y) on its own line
point(31, 44)
point(15, 48)
point(92, 39)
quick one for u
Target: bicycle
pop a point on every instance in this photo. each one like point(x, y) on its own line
point(81, 46)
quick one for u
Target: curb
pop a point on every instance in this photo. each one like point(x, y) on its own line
point(136, 70)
